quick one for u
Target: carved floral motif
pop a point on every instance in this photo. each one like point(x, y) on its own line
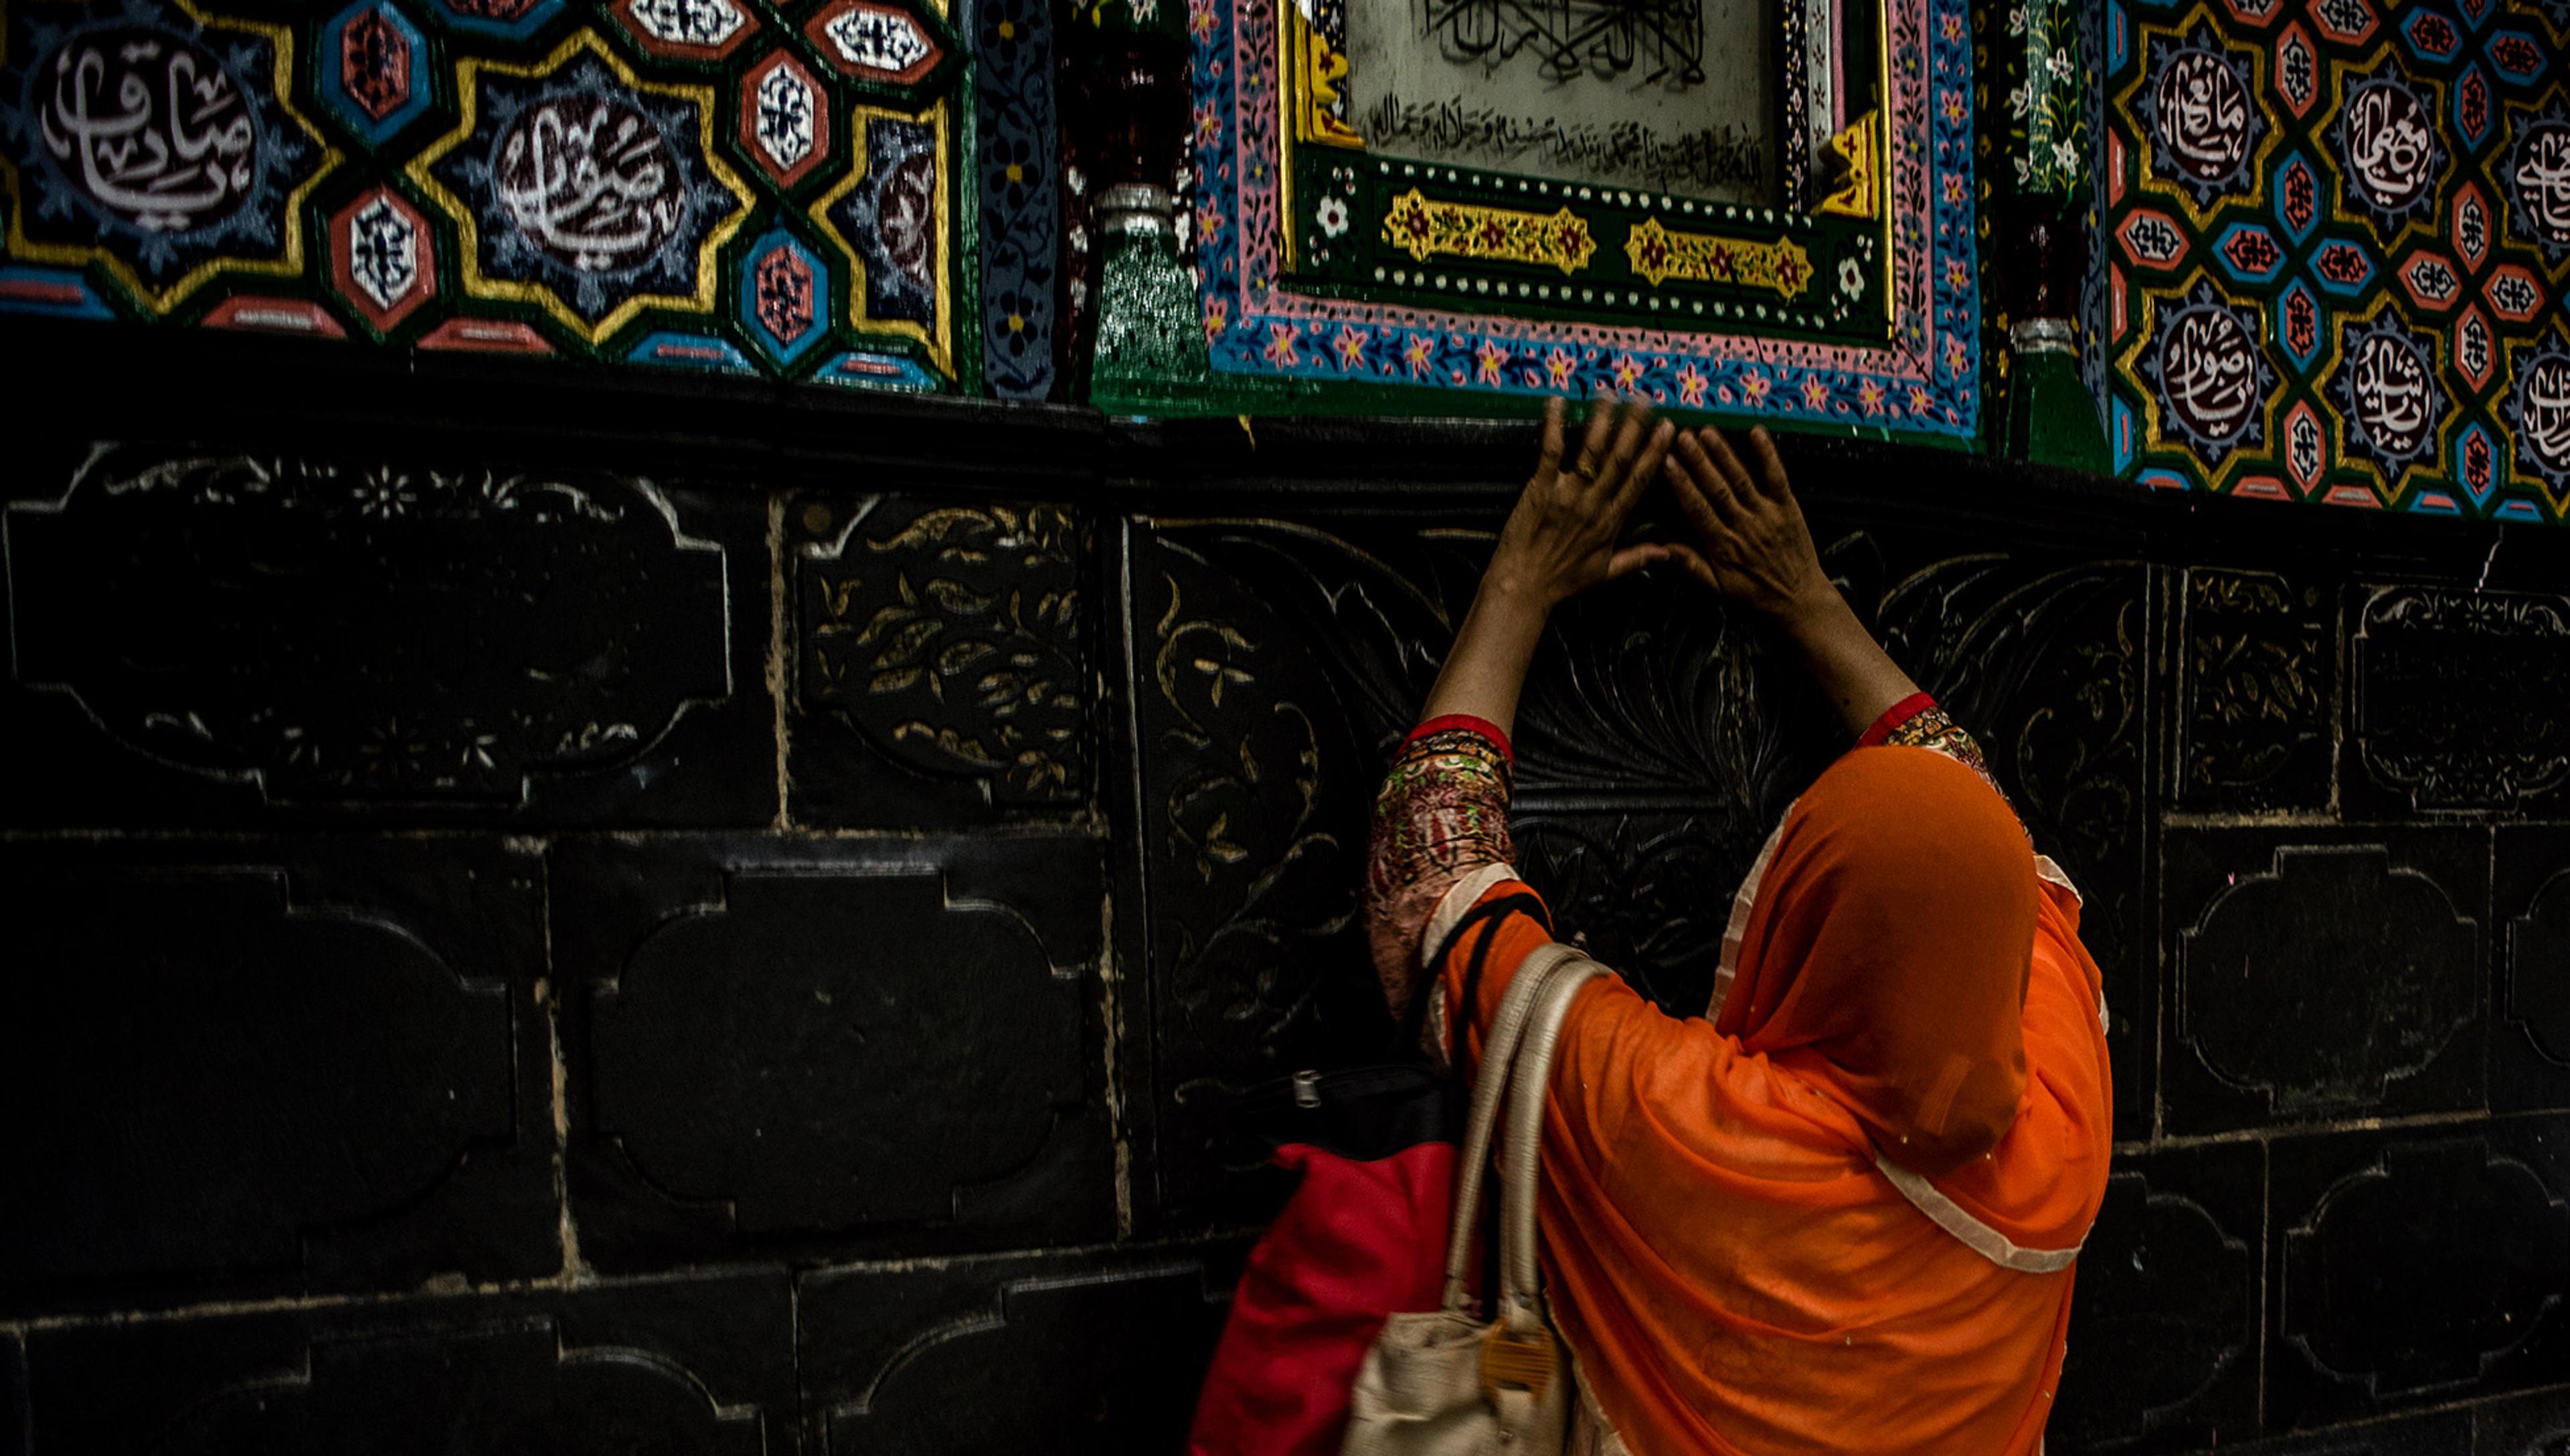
point(950, 637)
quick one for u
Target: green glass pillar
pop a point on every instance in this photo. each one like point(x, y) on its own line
point(1149, 352)
point(2051, 416)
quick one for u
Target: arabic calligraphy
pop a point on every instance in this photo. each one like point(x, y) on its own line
point(890, 217)
point(591, 182)
point(2388, 386)
point(2388, 148)
point(2540, 181)
point(1569, 37)
point(2208, 368)
point(1697, 157)
point(906, 218)
point(2543, 411)
point(2203, 115)
point(151, 129)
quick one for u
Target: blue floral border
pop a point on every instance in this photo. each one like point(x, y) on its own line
point(1021, 197)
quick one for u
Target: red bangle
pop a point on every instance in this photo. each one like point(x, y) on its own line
point(1465, 723)
point(1892, 717)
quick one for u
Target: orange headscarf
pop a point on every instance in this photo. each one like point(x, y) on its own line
point(1887, 945)
point(1729, 1264)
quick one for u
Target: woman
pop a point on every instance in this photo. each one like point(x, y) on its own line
point(1841, 1214)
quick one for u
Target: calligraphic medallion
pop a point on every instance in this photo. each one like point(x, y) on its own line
point(2536, 175)
point(154, 142)
point(2203, 115)
point(589, 181)
point(2540, 405)
point(891, 217)
point(2209, 372)
point(2388, 160)
point(2386, 389)
point(577, 186)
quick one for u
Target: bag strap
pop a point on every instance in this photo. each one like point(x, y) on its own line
point(1520, 1157)
point(1490, 1080)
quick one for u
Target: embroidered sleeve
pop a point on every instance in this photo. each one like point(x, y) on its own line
point(1917, 722)
point(1442, 815)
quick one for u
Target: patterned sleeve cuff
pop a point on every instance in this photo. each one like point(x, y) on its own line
point(1464, 723)
point(1931, 729)
point(1894, 718)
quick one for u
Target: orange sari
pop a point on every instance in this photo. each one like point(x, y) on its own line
point(1841, 1216)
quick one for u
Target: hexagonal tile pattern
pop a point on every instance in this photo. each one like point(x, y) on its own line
point(687, 30)
point(383, 257)
point(2152, 239)
point(372, 73)
point(784, 119)
point(2431, 281)
point(871, 42)
point(784, 296)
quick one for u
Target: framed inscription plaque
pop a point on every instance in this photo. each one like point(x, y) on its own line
point(1754, 205)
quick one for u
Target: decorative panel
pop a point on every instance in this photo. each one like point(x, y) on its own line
point(329, 1055)
point(1344, 235)
point(751, 1025)
point(2530, 1035)
point(215, 635)
point(2164, 1322)
point(2416, 1267)
point(697, 1364)
point(1254, 792)
point(1092, 1353)
point(2257, 672)
point(2322, 974)
point(697, 184)
point(2457, 700)
point(940, 667)
point(2337, 232)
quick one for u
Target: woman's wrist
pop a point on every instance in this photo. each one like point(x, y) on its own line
point(1508, 590)
point(1814, 612)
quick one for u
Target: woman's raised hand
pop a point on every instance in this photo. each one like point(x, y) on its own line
point(1751, 543)
point(1561, 538)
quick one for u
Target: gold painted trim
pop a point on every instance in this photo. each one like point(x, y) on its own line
point(468, 226)
point(1657, 254)
point(1425, 228)
point(1316, 74)
point(938, 340)
point(1861, 197)
point(281, 61)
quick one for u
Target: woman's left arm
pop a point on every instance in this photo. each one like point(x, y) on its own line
point(1442, 812)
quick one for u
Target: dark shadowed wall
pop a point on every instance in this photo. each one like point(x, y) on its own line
point(567, 914)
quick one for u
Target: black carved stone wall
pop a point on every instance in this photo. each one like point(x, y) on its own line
point(552, 917)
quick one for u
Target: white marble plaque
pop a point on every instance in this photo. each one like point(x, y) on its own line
point(1673, 96)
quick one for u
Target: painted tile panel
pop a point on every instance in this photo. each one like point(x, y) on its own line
point(2346, 224)
point(612, 183)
